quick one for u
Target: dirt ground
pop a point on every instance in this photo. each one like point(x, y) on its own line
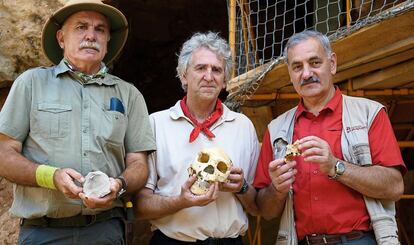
point(9, 229)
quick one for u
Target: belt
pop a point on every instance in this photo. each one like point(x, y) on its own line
point(332, 239)
point(74, 221)
point(220, 241)
point(160, 238)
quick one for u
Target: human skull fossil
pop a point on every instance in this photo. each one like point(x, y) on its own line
point(210, 165)
point(96, 184)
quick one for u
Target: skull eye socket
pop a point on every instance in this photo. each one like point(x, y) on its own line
point(203, 157)
point(222, 167)
point(209, 169)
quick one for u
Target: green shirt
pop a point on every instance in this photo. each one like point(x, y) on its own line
point(64, 123)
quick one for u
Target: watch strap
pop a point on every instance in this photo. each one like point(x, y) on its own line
point(244, 187)
point(337, 172)
point(124, 186)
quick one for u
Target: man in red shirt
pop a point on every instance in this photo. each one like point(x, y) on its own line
point(337, 177)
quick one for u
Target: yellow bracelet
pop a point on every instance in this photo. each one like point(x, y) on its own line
point(128, 204)
point(44, 176)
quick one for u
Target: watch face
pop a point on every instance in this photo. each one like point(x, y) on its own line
point(340, 168)
point(121, 193)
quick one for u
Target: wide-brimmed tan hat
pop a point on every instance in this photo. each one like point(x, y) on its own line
point(118, 23)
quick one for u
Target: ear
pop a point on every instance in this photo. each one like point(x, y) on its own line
point(60, 39)
point(183, 81)
point(333, 63)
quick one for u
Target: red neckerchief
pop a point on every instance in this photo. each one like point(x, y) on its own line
point(204, 126)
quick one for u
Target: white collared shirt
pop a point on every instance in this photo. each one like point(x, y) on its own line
point(235, 134)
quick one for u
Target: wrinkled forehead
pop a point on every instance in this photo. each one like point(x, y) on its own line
point(305, 49)
point(206, 56)
point(96, 18)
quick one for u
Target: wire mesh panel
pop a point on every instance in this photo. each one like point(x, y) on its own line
point(259, 29)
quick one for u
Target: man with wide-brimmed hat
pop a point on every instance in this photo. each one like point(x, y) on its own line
point(60, 123)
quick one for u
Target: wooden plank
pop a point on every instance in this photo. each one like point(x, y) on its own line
point(390, 77)
point(374, 37)
point(375, 65)
point(260, 116)
point(275, 79)
point(386, 51)
point(359, 93)
point(236, 82)
point(406, 144)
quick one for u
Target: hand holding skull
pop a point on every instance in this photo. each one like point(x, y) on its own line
point(99, 190)
point(210, 166)
point(234, 180)
point(189, 199)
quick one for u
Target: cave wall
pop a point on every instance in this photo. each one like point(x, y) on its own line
point(20, 27)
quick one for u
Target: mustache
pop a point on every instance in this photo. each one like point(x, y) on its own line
point(312, 79)
point(89, 44)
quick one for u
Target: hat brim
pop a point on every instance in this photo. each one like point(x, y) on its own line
point(118, 23)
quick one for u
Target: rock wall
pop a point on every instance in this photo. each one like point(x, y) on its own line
point(9, 229)
point(20, 33)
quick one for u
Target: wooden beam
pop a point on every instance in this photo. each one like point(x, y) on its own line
point(390, 77)
point(394, 48)
point(358, 70)
point(406, 144)
point(232, 32)
point(392, 108)
point(236, 82)
point(358, 93)
point(260, 116)
point(375, 37)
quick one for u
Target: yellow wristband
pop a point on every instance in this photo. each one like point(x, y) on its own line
point(44, 176)
point(128, 204)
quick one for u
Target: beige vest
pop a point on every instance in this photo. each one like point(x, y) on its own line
point(357, 117)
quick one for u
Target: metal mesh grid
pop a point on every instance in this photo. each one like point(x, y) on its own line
point(259, 29)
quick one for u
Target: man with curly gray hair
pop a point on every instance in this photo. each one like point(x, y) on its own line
point(198, 121)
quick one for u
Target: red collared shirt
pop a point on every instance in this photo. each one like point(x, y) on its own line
point(322, 205)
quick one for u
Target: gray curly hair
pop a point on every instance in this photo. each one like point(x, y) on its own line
point(209, 40)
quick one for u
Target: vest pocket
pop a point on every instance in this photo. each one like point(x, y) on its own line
point(51, 120)
point(279, 146)
point(362, 154)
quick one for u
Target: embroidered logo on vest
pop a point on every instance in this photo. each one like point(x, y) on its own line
point(354, 128)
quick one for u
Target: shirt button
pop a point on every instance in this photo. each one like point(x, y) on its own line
point(315, 171)
point(85, 131)
point(84, 154)
point(316, 198)
point(85, 106)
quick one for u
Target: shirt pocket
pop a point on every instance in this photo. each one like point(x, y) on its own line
point(113, 127)
point(52, 120)
point(279, 148)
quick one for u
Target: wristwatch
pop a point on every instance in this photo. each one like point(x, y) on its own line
point(339, 169)
point(244, 188)
point(124, 185)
